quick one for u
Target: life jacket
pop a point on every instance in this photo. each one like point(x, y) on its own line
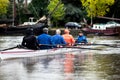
point(81, 39)
point(69, 39)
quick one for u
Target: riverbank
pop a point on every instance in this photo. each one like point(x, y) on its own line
point(73, 32)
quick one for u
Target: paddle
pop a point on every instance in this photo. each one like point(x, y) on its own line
point(109, 45)
point(18, 46)
point(9, 48)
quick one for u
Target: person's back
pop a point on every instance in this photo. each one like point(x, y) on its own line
point(68, 38)
point(58, 39)
point(30, 40)
point(81, 38)
point(44, 39)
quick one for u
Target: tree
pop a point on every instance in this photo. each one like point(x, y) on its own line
point(115, 10)
point(74, 3)
point(3, 6)
point(38, 8)
point(74, 13)
point(19, 8)
point(97, 7)
point(57, 10)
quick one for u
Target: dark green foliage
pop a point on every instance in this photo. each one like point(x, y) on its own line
point(39, 7)
point(114, 10)
point(75, 3)
point(9, 12)
point(74, 13)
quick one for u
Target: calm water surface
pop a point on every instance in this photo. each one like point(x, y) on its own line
point(79, 65)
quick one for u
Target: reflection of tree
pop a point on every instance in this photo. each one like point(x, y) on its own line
point(82, 60)
point(109, 64)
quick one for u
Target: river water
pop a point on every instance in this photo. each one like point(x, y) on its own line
point(80, 65)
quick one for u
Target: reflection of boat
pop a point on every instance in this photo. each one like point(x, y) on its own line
point(103, 29)
point(19, 53)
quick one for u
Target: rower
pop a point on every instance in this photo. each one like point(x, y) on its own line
point(81, 38)
point(68, 38)
point(29, 40)
point(57, 39)
point(44, 40)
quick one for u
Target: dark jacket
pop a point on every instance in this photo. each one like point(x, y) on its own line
point(30, 42)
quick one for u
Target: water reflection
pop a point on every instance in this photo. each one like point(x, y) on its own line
point(110, 65)
point(12, 71)
point(84, 67)
point(69, 66)
point(80, 66)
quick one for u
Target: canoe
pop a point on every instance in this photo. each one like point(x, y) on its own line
point(20, 53)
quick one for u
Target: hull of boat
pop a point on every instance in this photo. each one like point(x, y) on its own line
point(106, 32)
point(21, 29)
point(19, 53)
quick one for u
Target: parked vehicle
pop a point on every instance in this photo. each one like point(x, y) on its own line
point(112, 24)
point(72, 25)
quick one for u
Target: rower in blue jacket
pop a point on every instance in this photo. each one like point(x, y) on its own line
point(44, 40)
point(57, 39)
point(81, 38)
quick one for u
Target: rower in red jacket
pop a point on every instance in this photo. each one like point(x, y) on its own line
point(68, 38)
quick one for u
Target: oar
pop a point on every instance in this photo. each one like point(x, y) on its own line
point(9, 48)
point(18, 46)
point(51, 45)
point(109, 45)
point(64, 46)
point(80, 48)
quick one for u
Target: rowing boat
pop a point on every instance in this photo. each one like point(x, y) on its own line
point(16, 52)
point(20, 52)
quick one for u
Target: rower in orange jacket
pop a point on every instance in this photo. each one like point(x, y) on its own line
point(68, 38)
